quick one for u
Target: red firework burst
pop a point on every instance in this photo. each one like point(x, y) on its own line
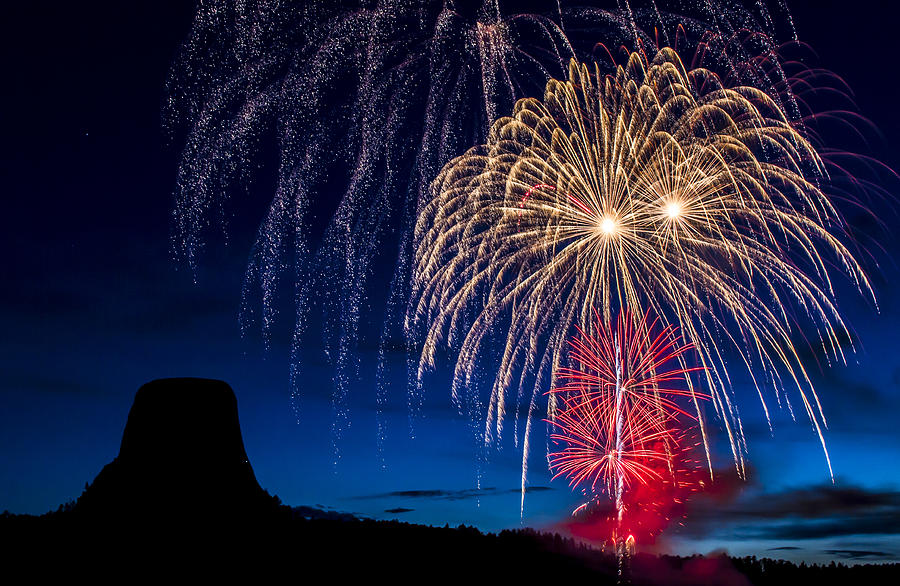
point(628, 441)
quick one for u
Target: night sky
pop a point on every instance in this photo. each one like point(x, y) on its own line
point(92, 306)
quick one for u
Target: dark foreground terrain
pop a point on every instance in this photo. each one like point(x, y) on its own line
point(181, 502)
point(322, 551)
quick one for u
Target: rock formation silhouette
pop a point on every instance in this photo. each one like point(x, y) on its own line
point(182, 459)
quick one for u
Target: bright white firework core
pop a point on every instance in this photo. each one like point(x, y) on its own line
point(673, 209)
point(607, 225)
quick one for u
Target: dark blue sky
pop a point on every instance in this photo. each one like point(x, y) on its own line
point(92, 306)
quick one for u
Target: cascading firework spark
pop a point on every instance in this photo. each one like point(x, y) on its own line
point(391, 90)
point(654, 188)
point(623, 424)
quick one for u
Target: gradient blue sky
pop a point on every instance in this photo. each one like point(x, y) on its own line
point(91, 307)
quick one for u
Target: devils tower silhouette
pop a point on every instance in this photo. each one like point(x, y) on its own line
point(182, 459)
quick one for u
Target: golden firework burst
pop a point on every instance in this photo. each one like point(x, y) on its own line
point(655, 187)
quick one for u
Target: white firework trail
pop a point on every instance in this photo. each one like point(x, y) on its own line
point(391, 90)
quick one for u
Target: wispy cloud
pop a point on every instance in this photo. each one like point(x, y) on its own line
point(451, 495)
point(858, 554)
point(800, 514)
point(321, 513)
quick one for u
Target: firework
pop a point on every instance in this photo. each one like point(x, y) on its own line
point(621, 421)
point(425, 81)
point(654, 188)
point(389, 90)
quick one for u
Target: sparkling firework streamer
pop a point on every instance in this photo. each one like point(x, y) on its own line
point(623, 424)
point(654, 188)
point(390, 91)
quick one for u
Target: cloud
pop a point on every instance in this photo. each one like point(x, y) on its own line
point(872, 524)
point(803, 513)
point(316, 513)
point(784, 548)
point(856, 554)
point(398, 510)
point(452, 495)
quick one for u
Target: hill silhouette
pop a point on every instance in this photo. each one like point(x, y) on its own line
point(181, 501)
